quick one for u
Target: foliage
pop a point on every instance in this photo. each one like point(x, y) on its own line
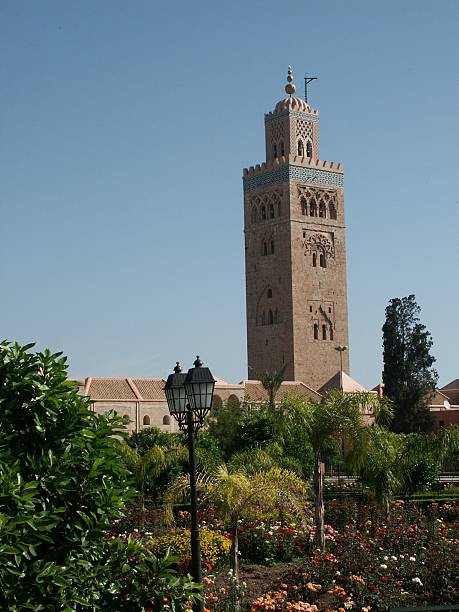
point(270, 541)
point(61, 484)
point(214, 546)
point(148, 437)
point(408, 375)
point(238, 495)
point(271, 382)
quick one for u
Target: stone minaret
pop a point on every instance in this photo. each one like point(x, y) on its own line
point(295, 255)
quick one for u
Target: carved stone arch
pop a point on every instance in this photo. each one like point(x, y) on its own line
point(312, 208)
point(319, 243)
point(308, 148)
point(304, 206)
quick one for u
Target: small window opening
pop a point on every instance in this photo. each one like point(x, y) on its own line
point(276, 316)
point(166, 419)
point(146, 420)
point(324, 332)
point(275, 151)
point(263, 318)
point(331, 332)
point(313, 209)
point(272, 247)
point(329, 310)
point(332, 211)
point(282, 148)
point(314, 260)
point(271, 211)
point(270, 317)
point(265, 247)
point(308, 149)
point(304, 206)
point(322, 209)
point(263, 212)
point(322, 262)
point(279, 209)
point(300, 148)
point(310, 308)
point(316, 331)
point(270, 293)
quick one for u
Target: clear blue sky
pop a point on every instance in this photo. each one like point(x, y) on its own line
point(124, 129)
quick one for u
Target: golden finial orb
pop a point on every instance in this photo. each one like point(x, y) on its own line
point(290, 87)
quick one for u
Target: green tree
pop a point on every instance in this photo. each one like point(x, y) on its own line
point(61, 484)
point(149, 466)
point(271, 382)
point(408, 375)
point(244, 494)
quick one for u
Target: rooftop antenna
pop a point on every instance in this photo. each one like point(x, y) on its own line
point(307, 80)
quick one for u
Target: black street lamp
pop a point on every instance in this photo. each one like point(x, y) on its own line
point(189, 398)
point(341, 348)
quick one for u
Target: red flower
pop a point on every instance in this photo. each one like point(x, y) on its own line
point(372, 587)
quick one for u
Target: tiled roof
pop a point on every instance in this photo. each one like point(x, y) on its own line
point(110, 388)
point(454, 384)
point(255, 392)
point(150, 388)
point(349, 384)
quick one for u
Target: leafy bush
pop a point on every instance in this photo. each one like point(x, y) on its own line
point(61, 484)
point(214, 547)
point(267, 542)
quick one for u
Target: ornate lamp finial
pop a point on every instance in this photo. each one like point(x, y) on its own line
point(290, 87)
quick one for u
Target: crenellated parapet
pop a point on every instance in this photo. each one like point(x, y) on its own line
point(295, 169)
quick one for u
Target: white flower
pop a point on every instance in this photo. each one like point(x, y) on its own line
point(394, 558)
point(270, 533)
point(383, 566)
point(412, 558)
point(244, 585)
point(402, 556)
point(417, 580)
point(349, 604)
point(386, 558)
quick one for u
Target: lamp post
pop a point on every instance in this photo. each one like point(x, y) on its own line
point(189, 398)
point(341, 348)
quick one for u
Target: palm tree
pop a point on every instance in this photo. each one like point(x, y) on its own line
point(271, 382)
point(149, 465)
point(391, 463)
point(238, 494)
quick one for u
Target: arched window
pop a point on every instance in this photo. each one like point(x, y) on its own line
point(322, 209)
point(272, 246)
point(263, 318)
point(275, 150)
point(322, 260)
point(263, 212)
point(254, 214)
point(166, 419)
point(270, 317)
point(304, 206)
point(216, 402)
point(316, 331)
point(270, 293)
point(313, 209)
point(300, 148)
point(331, 331)
point(324, 332)
point(314, 260)
point(282, 148)
point(308, 149)
point(265, 247)
point(126, 418)
point(271, 211)
point(332, 211)
point(146, 420)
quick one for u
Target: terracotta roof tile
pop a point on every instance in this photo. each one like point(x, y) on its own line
point(110, 388)
point(150, 388)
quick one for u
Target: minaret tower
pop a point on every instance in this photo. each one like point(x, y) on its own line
point(295, 254)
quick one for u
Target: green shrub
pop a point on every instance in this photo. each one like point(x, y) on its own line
point(61, 484)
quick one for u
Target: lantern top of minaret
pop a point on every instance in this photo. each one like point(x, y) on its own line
point(292, 103)
point(290, 87)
